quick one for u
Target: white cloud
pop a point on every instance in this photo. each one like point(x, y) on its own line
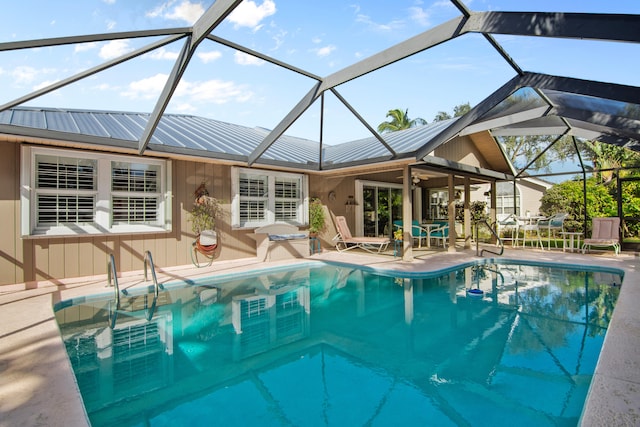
point(210, 91)
point(185, 108)
point(316, 40)
point(43, 84)
point(82, 47)
point(146, 88)
point(419, 15)
point(114, 49)
point(109, 1)
point(162, 53)
point(390, 26)
point(24, 74)
point(102, 86)
point(325, 51)
point(278, 38)
point(210, 56)
point(111, 24)
point(249, 14)
point(244, 59)
point(159, 10)
point(186, 11)
point(214, 91)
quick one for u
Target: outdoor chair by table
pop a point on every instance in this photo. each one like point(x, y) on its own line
point(440, 232)
point(605, 233)
point(418, 232)
point(553, 224)
point(345, 241)
point(508, 223)
point(529, 226)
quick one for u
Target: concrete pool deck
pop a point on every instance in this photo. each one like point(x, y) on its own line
point(37, 385)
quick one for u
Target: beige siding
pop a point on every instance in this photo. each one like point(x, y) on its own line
point(10, 258)
point(27, 260)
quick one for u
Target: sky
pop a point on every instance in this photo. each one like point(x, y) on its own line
point(321, 37)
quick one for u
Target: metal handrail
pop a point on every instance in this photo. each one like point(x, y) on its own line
point(112, 276)
point(148, 260)
point(494, 233)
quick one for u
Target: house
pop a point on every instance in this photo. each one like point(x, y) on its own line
point(83, 184)
point(529, 191)
point(76, 189)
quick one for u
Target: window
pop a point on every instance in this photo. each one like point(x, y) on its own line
point(505, 199)
point(68, 192)
point(266, 197)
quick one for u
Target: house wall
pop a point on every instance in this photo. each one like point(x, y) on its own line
point(37, 259)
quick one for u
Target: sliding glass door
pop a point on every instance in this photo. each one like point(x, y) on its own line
point(382, 204)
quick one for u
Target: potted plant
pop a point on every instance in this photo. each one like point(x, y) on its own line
point(203, 216)
point(316, 217)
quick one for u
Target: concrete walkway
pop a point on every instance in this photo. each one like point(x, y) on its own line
point(38, 388)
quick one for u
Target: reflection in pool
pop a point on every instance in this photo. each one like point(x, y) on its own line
point(334, 345)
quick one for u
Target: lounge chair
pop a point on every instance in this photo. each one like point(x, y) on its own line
point(605, 233)
point(345, 241)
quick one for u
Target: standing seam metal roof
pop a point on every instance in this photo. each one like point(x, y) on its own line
point(203, 135)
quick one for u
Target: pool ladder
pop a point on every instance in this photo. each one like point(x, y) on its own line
point(112, 280)
point(148, 261)
point(493, 231)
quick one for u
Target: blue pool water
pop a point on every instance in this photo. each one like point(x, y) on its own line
point(331, 345)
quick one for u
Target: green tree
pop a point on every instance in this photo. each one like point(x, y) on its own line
point(606, 157)
point(399, 120)
point(461, 110)
point(441, 116)
point(458, 110)
point(568, 197)
point(532, 150)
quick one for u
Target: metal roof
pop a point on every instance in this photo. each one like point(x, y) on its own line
point(186, 134)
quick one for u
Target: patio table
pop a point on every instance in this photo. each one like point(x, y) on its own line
point(571, 235)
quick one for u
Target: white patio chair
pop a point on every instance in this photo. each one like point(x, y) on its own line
point(554, 224)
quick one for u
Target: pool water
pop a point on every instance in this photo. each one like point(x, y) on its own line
point(331, 345)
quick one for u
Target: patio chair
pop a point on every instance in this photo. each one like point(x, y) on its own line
point(345, 241)
point(605, 233)
point(552, 224)
point(440, 233)
point(419, 232)
point(508, 223)
point(529, 227)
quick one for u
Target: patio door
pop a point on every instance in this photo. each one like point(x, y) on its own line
point(381, 205)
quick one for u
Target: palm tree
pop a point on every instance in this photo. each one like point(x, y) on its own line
point(399, 120)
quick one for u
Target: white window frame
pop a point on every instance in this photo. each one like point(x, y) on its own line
point(302, 217)
point(102, 223)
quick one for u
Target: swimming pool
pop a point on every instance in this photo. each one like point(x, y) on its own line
point(334, 345)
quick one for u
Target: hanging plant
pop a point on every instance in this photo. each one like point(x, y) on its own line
point(204, 212)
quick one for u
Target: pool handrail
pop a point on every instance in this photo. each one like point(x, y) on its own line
point(112, 278)
point(494, 233)
point(148, 261)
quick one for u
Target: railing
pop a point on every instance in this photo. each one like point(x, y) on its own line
point(148, 261)
point(112, 276)
point(494, 233)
